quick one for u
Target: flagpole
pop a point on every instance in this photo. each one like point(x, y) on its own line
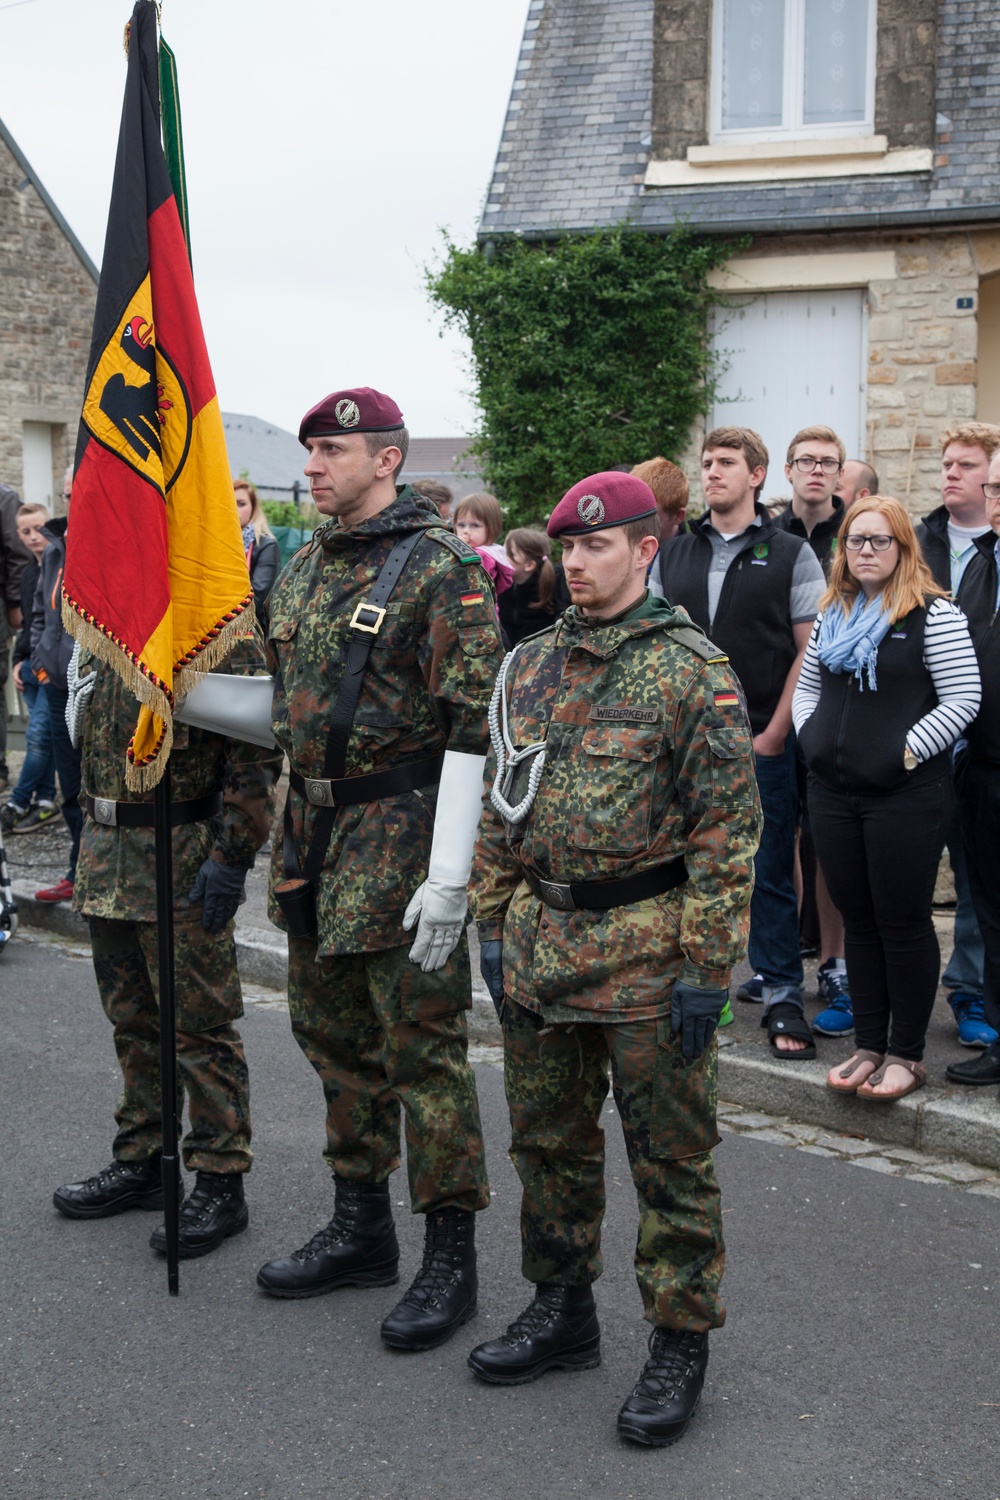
point(170, 1166)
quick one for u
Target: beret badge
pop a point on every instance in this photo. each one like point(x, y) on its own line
point(347, 413)
point(590, 509)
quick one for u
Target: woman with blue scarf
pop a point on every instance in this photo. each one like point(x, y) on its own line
point(888, 684)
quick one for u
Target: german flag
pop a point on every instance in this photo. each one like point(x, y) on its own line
point(156, 579)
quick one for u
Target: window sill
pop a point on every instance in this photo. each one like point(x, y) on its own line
point(785, 161)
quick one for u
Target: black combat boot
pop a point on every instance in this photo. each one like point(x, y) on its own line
point(669, 1388)
point(558, 1331)
point(123, 1185)
point(215, 1210)
point(357, 1248)
point(444, 1291)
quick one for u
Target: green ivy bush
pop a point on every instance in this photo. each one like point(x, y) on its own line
point(586, 352)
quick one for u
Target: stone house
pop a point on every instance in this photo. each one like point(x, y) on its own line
point(48, 289)
point(856, 141)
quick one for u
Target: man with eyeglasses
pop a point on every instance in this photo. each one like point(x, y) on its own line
point(949, 538)
point(754, 590)
point(815, 468)
point(977, 776)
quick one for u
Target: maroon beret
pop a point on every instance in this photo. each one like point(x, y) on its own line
point(603, 500)
point(360, 410)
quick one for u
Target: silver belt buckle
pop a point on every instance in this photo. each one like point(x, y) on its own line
point(319, 793)
point(106, 812)
point(558, 895)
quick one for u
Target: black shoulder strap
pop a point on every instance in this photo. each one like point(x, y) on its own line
point(366, 623)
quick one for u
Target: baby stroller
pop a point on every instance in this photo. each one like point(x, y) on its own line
point(8, 906)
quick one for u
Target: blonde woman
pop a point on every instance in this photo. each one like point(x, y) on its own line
point(888, 684)
point(263, 557)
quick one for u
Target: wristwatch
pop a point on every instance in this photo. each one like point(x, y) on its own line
point(910, 761)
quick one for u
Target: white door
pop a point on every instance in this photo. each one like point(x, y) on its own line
point(37, 448)
point(793, 359)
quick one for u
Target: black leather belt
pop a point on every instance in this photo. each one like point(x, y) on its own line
point(352, 789)
point(111, 814)
point(602, 895)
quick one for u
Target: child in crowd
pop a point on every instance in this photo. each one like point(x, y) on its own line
point(32, 803)
point(539, 593)
point(479, 521)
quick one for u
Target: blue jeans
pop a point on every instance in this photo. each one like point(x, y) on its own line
point(964, 970)
point(38, 773)
point(774, 908)
point(68, 767)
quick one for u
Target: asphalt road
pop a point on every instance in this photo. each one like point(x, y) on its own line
point(860, 1357)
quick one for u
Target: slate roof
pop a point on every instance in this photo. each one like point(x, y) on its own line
point(273, 457)
point(577, 135)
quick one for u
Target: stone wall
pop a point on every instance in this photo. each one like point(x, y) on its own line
point(47, 299)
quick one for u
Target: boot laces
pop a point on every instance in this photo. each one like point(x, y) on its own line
point(210, 1189)
point(536, 1316)
point(444, 1253)
point(109, 1175)
point(671, 1360)
point(340, 1228)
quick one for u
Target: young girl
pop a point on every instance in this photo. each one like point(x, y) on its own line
point(479, 521)
point(539, 593)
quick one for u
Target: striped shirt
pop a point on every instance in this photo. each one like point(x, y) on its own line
point(949, 657)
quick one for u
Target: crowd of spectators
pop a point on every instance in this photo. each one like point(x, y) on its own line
point(849, 630)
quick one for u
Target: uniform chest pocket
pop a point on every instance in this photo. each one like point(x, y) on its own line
point(617, 778)
point(732, 756)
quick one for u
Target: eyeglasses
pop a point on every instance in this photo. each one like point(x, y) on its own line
point(991, 491)
point(878, 543)
point(806, 464)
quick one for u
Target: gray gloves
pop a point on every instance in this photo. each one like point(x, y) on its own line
point(695, 1014)
point(221, 888)
point(491, 968)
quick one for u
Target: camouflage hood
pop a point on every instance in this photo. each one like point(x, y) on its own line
point(604, 637)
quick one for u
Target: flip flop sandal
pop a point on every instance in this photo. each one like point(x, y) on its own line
point(785, 1019)
point(850, 1067)
point(918, 1077)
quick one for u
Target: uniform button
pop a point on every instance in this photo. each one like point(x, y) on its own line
point(732, 744)
point(545, 926)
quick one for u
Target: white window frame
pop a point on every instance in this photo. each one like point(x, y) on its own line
point(793, 88)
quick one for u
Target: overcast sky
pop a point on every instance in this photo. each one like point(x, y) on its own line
point(326, 144)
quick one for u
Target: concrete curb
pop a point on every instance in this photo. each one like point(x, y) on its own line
point(965, 1124)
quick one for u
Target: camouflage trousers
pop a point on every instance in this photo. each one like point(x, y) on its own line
point(380, 1033)
point(211, 1066)
point(557, 1081)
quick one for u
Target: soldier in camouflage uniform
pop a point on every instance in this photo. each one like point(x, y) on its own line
point(383, 1022)
point(611, 885)
point(223, 800)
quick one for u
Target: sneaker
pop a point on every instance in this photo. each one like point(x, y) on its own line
point(727, 1018)
point(831, 986)
point(752, 990)
point(36, 817)
point(973, 1028)
point(61, 891)
point(10, 814)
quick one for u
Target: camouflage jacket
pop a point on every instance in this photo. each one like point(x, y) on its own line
point(426, 688)
point(648, 759)
point(116, 874)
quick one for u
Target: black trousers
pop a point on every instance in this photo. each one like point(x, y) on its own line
point(979, 805)
point(880, 856)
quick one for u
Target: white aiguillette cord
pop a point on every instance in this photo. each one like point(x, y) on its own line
point(508, 758)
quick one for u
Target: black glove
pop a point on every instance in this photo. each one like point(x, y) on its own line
point(221, 888)
point(491, 968)
point(695, 1014)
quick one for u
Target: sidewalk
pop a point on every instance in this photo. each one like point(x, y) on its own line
point(949, 1122)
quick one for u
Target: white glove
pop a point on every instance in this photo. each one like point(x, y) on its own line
point(442, 901)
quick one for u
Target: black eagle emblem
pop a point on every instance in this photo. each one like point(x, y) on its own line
point(134, 409)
